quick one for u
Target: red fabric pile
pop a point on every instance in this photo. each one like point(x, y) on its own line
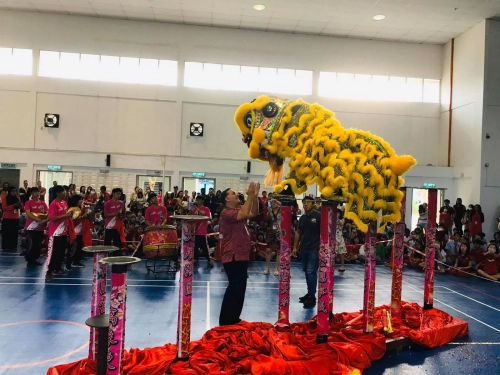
point(262, 349)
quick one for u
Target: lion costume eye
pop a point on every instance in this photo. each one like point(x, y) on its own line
point(248, 120)
point(270, 110)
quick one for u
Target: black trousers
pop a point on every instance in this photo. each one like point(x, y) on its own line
point(232, 304)
point(200, 242)
point(34, 239)
point(75, 254)
point(10, 229)
point(55, 254)
point(112, 236)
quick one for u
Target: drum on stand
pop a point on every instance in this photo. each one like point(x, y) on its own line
point(160, 241)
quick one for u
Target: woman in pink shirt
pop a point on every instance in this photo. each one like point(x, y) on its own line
point(12, 207)
point(35, 227)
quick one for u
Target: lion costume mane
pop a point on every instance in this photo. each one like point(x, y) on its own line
point(347, 164)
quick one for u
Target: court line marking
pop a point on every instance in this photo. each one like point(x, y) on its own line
point(474, 343)
point(208, 306)
point(200, 286)
point(475, 290)
point(461, 312)
point(31, 364)
point(475, 300)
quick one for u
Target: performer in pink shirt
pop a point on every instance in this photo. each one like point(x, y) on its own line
point(200, 242)
point(237, 247)
point(58, 233)
point(35, 226)
point(155, 214)
point(114, 211)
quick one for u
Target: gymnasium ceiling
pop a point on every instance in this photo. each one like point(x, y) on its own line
point(417, 21)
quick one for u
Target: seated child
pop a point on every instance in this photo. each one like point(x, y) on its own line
point(489, 267)
point(463, 264)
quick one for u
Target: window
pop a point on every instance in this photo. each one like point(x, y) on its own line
point(107, 68)
point(16, 61)
point(247, 78)
point(374, 87)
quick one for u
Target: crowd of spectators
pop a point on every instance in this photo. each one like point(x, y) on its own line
point(461, 246)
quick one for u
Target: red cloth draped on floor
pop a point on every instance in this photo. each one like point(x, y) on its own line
point(262, 349)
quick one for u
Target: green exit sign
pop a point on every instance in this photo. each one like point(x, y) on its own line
point(54, 167)
point(7, 165)
point(198, 174)
point(429, 185)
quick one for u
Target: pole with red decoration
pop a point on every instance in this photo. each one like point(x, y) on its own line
point(430, 239)
point(397, 260)
point(369, 291)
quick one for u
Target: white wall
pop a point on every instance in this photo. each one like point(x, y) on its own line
point(468, 78)
point(139, 124)
point(490, 181)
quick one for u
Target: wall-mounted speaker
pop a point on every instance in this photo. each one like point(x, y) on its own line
point(249, 166)
point(51, 120)
point(108, 160)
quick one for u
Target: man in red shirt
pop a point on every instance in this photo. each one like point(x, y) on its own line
point(237, 247)
point(200, 242)
point(58, 233)
point(155, 214)
point(114, 211)
point(446, 214)
point(34, 227)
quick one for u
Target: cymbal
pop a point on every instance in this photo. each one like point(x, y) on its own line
point(40, 215)
point(75, 212)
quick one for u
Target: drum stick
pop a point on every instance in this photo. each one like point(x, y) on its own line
point(137, 247)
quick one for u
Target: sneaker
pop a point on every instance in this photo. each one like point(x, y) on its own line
point(60, 273)
point(69, 267)
point(310, 302)
point(77, 265)
point(210, 264)
point(49, 277)
point(303, 298)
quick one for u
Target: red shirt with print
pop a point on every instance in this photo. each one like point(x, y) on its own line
point(236, 238)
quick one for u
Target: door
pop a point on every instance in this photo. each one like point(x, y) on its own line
point(11, 176)
point(196, 184)
point(48, 177)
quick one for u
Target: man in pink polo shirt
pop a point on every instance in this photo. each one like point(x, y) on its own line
point(155, 214)
point(237, 246)
point(58, 233)
point(34, 227)
point(200, 240)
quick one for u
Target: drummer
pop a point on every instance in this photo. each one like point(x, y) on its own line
point(36, 222)
point(155, 214)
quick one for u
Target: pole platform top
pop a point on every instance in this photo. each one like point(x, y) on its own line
point(98, 321)
point(333, 201)
point(100, 249)
point(120, 261)
point(190, 217)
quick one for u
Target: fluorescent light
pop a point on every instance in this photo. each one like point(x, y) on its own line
point(259, 7)
point(379, 17)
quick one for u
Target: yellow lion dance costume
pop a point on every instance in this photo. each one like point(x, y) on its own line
point(347, 164)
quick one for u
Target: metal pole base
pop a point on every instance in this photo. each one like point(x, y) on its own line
point(428, 306)
point(321, 339)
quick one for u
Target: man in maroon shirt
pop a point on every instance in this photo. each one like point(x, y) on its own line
point(237, 246)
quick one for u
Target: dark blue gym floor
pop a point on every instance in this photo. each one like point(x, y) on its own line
point(35, 344)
